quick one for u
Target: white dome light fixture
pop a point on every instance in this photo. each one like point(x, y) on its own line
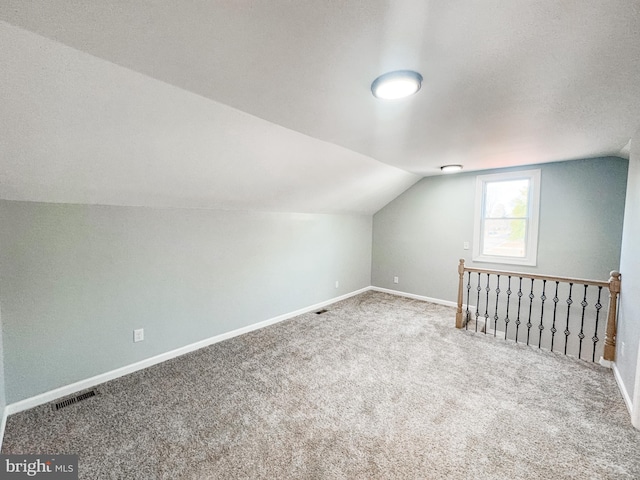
point(451, 168)
point(398, 84)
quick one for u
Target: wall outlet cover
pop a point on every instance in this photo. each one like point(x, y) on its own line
point(138, 335)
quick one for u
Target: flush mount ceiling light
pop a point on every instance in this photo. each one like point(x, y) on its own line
point(451, 168)
point(398, 84)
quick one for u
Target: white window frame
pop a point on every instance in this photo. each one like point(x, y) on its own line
point(533, 217)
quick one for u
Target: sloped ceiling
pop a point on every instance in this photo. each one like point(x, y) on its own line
point(78, 129)
point(266, 104)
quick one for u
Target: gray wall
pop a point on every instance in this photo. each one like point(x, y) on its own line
point(76, 280)
point(628, 318)
point(419, 236)
point(3, 401)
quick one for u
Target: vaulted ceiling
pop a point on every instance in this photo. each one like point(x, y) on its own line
point(267, 104)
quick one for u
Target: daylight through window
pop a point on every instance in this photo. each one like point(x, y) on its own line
point(506, 227)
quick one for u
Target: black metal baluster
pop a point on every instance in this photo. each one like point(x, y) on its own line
point(555, 306)
point(495, 314)
point(466, 318)
point(584, 307)
point(529, 324)
point(566, 328)
point(518, 322)
point(595, 334)
point(479, 288)
point(543, 297)
point(506, 319)
point(486, 307)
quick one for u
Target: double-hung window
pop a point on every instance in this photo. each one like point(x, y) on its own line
point(506, 218)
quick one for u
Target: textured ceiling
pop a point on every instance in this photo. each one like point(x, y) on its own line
point(506, 83)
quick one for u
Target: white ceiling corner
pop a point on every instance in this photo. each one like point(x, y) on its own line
point(625, 151)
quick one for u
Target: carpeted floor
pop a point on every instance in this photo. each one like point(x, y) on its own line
point(379, 387)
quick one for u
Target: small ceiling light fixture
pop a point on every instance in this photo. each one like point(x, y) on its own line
point(451, 168)
point(398, 84)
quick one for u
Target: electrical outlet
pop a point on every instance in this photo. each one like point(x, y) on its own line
point(395, 279)
point(465, 245)
point(138, 335)
point(337, 283)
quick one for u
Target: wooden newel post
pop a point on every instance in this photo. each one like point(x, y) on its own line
point(460, 287)
point(610, 336)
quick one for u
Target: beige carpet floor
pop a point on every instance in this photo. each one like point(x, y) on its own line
point(378, 387)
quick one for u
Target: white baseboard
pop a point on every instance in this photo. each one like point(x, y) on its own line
point(606, 363)
point(623, 389)
point(414, 296)
point(51, 395)
point(3, 424)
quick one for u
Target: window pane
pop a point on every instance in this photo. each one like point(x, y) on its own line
point(504, 237)
point(507, 199)
point(507, 211)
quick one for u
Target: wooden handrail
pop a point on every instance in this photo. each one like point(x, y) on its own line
point(535, 276)
point(613, 285)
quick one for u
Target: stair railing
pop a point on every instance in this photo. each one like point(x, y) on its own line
point(524, 301)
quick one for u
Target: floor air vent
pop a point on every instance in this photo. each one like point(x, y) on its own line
point(320, 312)
point(76, 399)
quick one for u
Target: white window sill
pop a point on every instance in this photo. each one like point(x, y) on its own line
point(505, 260)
